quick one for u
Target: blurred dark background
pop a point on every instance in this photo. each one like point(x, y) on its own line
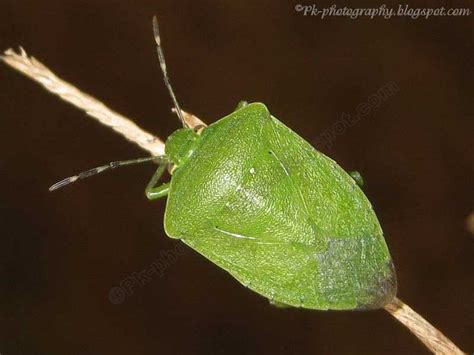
point(62, 253)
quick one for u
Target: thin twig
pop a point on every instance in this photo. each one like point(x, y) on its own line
point(427, 333)
point(35, 70)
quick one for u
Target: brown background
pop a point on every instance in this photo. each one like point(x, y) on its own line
point(62, 252)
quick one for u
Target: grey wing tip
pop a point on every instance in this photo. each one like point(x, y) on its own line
point(383, 291)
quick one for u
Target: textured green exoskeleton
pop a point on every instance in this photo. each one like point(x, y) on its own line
point(285, 220)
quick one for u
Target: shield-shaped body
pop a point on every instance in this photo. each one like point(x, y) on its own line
point(282, 218)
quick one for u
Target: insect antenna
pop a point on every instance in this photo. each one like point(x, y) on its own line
point(161, 59)
point(100, 169)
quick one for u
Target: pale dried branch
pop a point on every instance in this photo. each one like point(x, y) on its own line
point(190, 120)
point(35, 70)
point(428, 334)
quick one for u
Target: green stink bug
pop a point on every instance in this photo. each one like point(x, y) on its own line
point(259, 201)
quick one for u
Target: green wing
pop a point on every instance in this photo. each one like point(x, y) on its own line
point(282, 218)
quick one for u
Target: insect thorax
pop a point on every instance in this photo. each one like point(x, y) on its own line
point(180, 145)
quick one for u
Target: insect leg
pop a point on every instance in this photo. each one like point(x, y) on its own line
point(357, 178)
point(152, 192)
point(241, 104)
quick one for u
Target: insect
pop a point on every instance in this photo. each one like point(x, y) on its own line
point(260, 202)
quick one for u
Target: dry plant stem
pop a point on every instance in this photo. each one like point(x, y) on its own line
point(35, 70)
point(429, 335)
